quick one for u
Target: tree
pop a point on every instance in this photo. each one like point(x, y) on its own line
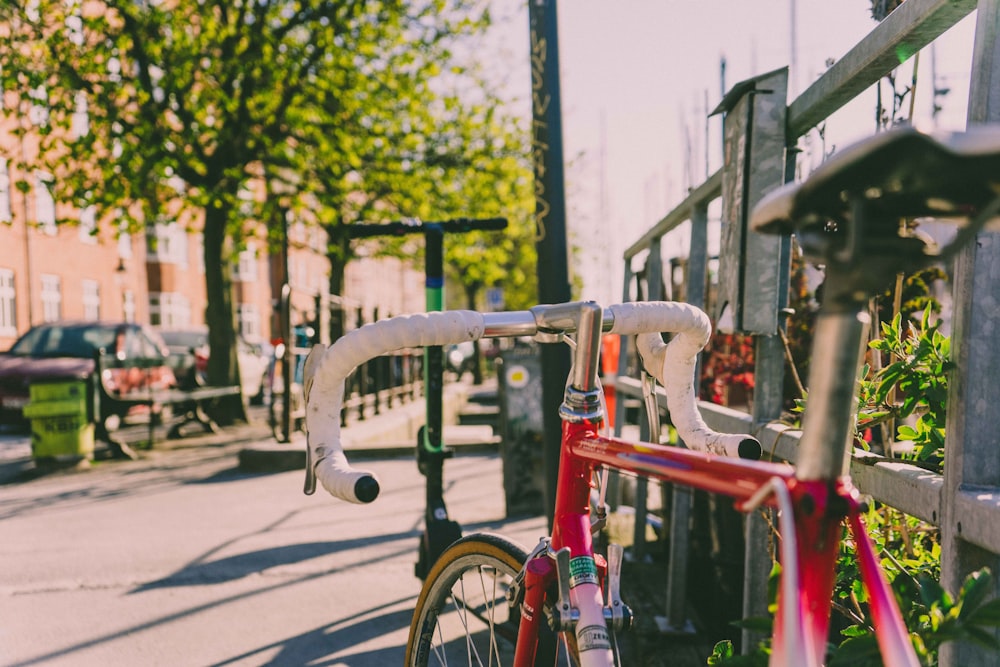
point(208, 109)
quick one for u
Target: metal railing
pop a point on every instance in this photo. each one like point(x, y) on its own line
point(964, 501)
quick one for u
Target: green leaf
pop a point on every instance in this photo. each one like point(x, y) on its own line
point(932, 594)
point(856, 652)
point(974, 590)
point(854, 631)
point(722, 650)
point(987, 614)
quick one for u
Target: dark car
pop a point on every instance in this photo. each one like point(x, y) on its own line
point(66, 350)
point(189, 360)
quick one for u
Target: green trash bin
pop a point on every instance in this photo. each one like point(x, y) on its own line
point(61, 428)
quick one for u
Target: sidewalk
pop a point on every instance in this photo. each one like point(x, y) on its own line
point(185, 557)
point(391, 433)
point(181, 558)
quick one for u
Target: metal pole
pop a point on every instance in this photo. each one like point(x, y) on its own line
point(550, 218)
point(676, 619)
point(439, 530)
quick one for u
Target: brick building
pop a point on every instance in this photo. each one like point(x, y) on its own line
point(52, 272)
point(92, 271)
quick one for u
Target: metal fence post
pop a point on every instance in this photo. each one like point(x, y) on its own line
point(972, 465)
point(677, 619)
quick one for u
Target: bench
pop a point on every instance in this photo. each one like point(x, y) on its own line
point(189, 403)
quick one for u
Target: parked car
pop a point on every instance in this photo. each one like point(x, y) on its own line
point(189, 359)
point(66, 350)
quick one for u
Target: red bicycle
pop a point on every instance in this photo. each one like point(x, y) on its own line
point(489, 601)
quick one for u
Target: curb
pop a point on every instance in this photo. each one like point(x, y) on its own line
point(392, 433)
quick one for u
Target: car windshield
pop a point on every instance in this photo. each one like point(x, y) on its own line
point(184, 339)
point(80, 340)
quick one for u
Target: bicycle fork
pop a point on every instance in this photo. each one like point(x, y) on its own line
point(549, 574)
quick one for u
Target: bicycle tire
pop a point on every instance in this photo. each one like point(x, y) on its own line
point(462, 615)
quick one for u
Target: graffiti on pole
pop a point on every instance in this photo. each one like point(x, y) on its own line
point(540, 100)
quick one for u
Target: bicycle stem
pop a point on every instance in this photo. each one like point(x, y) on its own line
point(548, 323)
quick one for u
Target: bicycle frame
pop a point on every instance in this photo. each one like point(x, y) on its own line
point(817, 509)
point(820, 508)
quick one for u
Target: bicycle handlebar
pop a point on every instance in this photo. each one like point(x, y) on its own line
point(327, 368)
point(676, 361)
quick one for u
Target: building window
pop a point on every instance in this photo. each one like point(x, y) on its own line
point(80, 121)
point(316, 241)
point(246, 204)
point(45, 205)
point(124, 242)
point(198, 241)
point(51, 298)
point(8, 304)
point(246, 266)
point(91, 300)
point(88, 225)
point(249, 320)
point(5, 214)
point(167, 244)
point(39, 112)
point(169, 310)
point(128, 306)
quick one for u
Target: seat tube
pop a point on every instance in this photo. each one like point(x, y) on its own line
point(828, 426)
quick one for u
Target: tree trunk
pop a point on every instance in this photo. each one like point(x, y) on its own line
point(220, 316)
point(340, 249)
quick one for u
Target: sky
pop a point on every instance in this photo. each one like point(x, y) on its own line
point(637, 80)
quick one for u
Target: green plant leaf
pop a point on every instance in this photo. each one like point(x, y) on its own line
point(856, 652)
point(987, 614)
point(974, 590)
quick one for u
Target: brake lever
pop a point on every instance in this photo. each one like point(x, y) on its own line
point(308, 373)
point(652, 409)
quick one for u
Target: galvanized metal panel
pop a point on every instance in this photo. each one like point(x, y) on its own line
point(750, 273)
point(979, 510)
point(910, 489)
point(971, 452)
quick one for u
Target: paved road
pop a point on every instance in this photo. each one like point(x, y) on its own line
point(181, 559)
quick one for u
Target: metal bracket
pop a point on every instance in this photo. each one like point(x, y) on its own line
point(564, 616)
point(617, 613)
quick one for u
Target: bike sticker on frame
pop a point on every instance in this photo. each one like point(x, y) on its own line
point(582, 570)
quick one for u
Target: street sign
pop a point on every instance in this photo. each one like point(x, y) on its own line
point(494, 299)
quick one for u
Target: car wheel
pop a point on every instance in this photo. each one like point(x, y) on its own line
point(260, 398)
point(112, 423)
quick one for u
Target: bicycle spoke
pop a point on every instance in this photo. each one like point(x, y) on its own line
point(494, 649)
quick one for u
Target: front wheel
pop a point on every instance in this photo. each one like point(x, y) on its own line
point(462, 616)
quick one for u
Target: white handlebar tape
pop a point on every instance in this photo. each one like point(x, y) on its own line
point(327, 368)
point(673, 365)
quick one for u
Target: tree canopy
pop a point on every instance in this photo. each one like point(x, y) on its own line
point(234, 112)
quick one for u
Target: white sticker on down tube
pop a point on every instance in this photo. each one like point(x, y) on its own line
point(593, 638)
